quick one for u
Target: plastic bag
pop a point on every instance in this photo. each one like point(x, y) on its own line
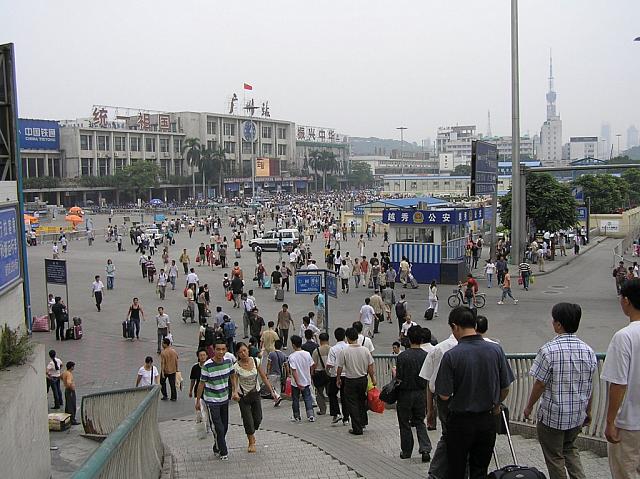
point(179, 380)
point(229, 296)
point(533, 279)
point(370, 385)
point(374, 401)
point(170, 338)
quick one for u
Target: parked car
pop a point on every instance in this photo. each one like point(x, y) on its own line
point(269, 240)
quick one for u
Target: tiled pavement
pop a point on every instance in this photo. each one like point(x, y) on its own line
point(319, 450)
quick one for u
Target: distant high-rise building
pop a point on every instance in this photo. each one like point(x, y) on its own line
point(550, 150)
point(632, 137)
point(581, 147)
point(605, 134)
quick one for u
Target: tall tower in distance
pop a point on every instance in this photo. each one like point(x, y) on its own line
point(550, 149)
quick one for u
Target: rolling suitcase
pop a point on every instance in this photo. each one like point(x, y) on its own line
point(68, 334)
point(428, 314)
point(413, 281)
point(238, 255)
point(279, 294)
point(127, 329)
point(513, 471)
point(266, 283)
point(77, 331)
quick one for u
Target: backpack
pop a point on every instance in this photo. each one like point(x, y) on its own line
point(229, 329)
point(401, 309)
point(209, 336)
point(315, 300)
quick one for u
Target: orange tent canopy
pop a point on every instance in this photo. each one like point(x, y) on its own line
point(30, 219)
point(73, 218)
point(76, 210)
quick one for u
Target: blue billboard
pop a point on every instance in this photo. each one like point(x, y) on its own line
point(10, 270)
point(38, 134)
point(308, 283)
point(484, 168)
point(435, 217)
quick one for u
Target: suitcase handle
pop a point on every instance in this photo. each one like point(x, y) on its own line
point(506, 427)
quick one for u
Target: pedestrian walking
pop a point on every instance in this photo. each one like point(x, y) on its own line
point(410, 408)
point(54, 370)
point(185, 260)
point(142, 261)
point(367, 317)
point(356, 362)
point(389, 298)
point(474, 377)
point(333, 387)
point(151, 269)
point(489, 272)
point(168, 370)
point(621, 370)
point(501, 266)
point(214, 390)
point(506, 288)
point(275, 367)
point(563, 371)
point(246, 391)
point(147, 374)
point(173, 274)
point(110, 269)
point(300, 364)
point(161, 283)
point(134, 315)
point(163, 325)
point(96, 291)
point(285, 322)
point(52, 318)
point(525, 273)
point(433, 297)
point(69, 391)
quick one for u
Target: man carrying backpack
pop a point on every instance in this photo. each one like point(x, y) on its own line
point(401, 311)
point(229, 331)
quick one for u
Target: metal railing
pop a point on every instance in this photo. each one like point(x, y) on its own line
point(622, 247)
point(129, 419)
point(520, 389)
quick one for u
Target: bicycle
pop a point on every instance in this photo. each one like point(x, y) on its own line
point(456, 299)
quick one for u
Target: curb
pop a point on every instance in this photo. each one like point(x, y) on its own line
point(593, 244)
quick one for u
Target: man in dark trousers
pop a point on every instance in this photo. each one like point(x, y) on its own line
point(59, 311)
point(69, 392)
point(474, 378)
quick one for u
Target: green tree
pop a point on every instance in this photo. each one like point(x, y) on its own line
point(632, 177)
point(212, 164)
point(462, 170)
point(325, 162)
point(550, 204)
point(607, 192)
point(191, 151)
point(360, 174)
point(138, 176)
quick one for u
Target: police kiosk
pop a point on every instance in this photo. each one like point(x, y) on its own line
point(432, 240)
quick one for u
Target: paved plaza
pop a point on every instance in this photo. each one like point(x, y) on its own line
point(104, 360)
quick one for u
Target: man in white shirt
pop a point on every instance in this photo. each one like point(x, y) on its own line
point(306, 324)
point(363, 340)
point(332, 387)
point(344, 272)
point(161, 283)
point(301, 365)
point(429, 371)
point(173, 274)
point(312, 265)
point(55, 251)
point(96, 291)
point(192, 278)
point(367, 316)
point(621, 370)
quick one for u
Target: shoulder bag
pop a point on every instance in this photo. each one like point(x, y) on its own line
point(320, 377)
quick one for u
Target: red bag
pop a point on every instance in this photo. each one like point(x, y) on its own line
point(229, 296)
point(40, 324)
point(185, 292)
point(198, 259)
point(374, 401)
point(287, 387)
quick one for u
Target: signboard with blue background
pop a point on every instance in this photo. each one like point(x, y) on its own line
point(38, 134)
point(308, 283)
point(454, 216)
point(10, 271)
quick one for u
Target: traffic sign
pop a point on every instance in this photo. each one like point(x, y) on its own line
point(308, 283)
point(582, 212)
point(332, 285)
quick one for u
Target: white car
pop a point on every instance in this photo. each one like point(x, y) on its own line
point(269, 240)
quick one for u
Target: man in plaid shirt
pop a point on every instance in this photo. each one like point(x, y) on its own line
point(563, 372)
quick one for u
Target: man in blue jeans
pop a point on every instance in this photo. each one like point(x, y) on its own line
point(301, 366)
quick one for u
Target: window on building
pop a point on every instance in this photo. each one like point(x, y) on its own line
point(282, 133)
point(266, 132)
point(165, 168)
point(413, 185)
point(32, 167)
point(404, 235)
point(103, 143)
point(248, 148)
point(229, 129)
point(86, 142)
point(134, 143)
point(177, 167)
point(211, 127)
point(86, 166)
point(267, 149)
point(282, 150)
point(229, 147)
point(150, 145)
point(103, 167)
point(177, 145)
point(164, 145)
point(55, 167)
point(119, 143)
point(119, 163)
point(212, 145)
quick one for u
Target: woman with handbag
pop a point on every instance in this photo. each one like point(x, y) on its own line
point(246, 391)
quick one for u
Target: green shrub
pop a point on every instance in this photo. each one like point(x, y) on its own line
point(15, 348)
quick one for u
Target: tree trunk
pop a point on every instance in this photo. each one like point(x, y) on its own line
point(193, 181)
point(204, 193)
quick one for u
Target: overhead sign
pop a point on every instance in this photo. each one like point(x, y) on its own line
point(55, 271)
point(484, 168)
point(433, 217)
point(577, 193)
point(319, 135)
point(358, 211)
point(308, 283)
point(39, 134)
point(332, 285)
point(249, 131)
point(10, 271)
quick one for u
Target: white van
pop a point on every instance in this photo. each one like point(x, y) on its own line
point(269, 240)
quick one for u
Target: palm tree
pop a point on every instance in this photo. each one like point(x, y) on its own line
point(192, 151)
point(212, 165)
point(324, 161)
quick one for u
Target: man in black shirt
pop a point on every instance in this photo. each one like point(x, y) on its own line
point(473, 378)
point(412, 397)
point(309, 345)
point(59, 311)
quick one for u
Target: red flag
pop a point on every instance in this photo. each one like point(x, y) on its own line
point(248, 87)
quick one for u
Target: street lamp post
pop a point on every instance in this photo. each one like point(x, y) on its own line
point(401, 128)
point(518, 199)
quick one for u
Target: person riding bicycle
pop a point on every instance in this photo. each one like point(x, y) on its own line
point(471, 288)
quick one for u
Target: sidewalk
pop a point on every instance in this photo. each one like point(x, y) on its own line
point(318, 450)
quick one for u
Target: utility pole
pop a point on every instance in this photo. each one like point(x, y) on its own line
point(401, 128)
point(517, 197)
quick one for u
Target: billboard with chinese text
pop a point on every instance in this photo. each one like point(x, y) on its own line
point(319, 135)
point(484, 168)
point(267, 167)
point(38, 134)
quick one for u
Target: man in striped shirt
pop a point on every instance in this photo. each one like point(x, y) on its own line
point(525, 274)
point(214, 390)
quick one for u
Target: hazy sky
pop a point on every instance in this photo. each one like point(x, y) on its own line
point(362, 67)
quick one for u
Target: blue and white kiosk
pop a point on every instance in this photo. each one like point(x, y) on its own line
point(433, 240)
